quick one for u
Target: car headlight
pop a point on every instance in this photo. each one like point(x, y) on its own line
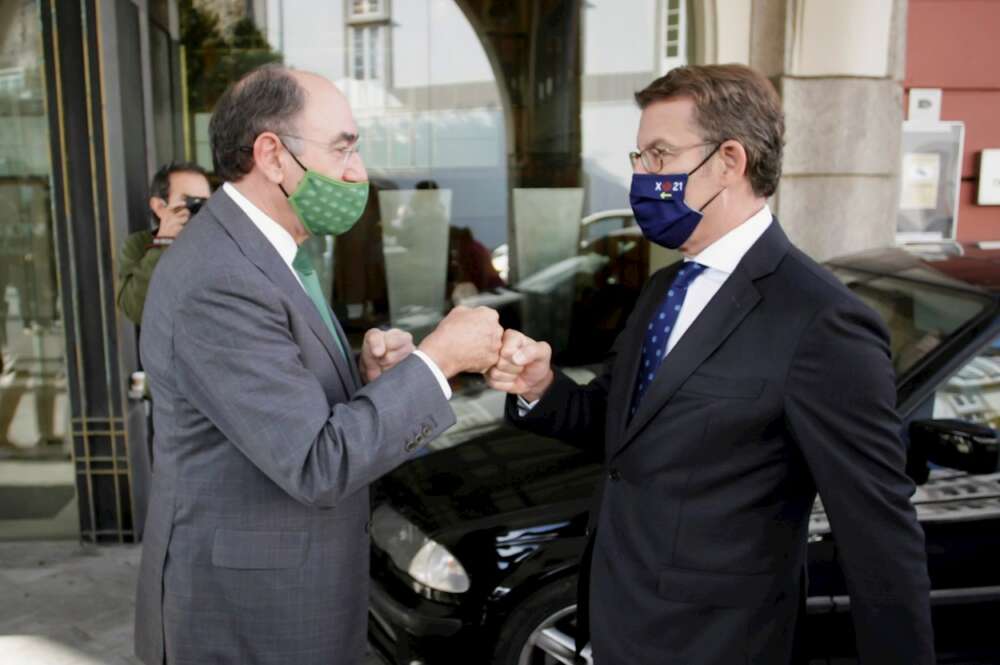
point(411, 550)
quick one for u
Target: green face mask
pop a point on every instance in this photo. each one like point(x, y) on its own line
point(326, 206)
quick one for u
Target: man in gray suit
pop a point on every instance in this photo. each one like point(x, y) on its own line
point(267, 431)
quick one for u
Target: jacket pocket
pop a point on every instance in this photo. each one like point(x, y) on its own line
point(259, 550)
point(719, 386)
point(718, 589)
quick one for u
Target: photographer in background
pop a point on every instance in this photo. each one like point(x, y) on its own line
point(176, 193)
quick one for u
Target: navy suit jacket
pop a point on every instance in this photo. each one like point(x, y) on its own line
point(783, 386)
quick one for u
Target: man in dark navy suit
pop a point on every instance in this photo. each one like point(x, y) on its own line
point(746, 380)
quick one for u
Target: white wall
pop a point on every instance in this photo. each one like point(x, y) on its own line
point(844, 38)
point(310, 34)
point(619, 36)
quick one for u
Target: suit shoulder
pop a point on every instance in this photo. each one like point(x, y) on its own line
point(202, 254)
point(816, 285)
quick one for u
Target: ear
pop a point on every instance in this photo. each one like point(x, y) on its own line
point(267, 150)
point(734, 160)
point(158, 206)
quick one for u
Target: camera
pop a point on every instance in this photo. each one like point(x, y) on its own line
point(194, 204)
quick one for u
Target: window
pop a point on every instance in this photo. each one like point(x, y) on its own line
point(486, 171)
point(674, 37)
point(973, 393)
point(919, 314)
point(366, 56)
point(369, 10)
point(367, 24)
point(37, 480)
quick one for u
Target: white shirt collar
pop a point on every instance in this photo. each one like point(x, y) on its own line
point(276, 234)
point(726, 253)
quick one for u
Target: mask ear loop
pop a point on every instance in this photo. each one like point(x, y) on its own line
point(304, 169)
point(707, 157)
point(702, 163)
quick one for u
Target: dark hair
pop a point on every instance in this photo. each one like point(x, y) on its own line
point(160, 185)
point(267, 99)
point(732, 102)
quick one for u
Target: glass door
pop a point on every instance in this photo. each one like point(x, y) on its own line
point(37, 489)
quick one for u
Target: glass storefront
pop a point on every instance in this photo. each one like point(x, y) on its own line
point(496, 138)
point(37, 491)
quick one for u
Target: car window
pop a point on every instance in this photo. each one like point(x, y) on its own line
point(919, 315)
point(972, 393)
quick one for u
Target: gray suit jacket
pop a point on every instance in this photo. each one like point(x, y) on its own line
point(256, 542)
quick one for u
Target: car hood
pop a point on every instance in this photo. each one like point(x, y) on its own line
point(507, 476)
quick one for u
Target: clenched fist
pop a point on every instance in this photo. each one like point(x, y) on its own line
point(467, 340)
point(382, 350)
point(525, 367)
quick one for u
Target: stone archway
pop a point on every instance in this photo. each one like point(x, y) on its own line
point(534, 49)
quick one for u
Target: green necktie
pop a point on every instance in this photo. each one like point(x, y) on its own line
point(304, 269)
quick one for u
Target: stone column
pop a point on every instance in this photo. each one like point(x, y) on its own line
point(839, 67)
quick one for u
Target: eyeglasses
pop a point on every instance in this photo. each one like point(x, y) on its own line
point(347, 152)
point(652, 158)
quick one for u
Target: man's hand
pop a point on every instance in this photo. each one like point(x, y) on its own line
point(525, 367)
point(172, 222)
point(467, 340)
point(382, 350)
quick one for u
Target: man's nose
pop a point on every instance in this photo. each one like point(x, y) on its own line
point(355, 171)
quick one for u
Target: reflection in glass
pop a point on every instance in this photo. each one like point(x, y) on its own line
point(547, 241)
point(37, 492)
point(415, 244)
point(478, 98)
point(973, 393)
point(919, 315)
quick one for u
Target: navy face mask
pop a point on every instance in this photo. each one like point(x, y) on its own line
point(659, 207)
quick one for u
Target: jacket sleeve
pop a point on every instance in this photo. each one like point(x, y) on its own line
point(235, 360)
point(137, 264)
point(840, 407)
point(577, 414)
point(568, 411)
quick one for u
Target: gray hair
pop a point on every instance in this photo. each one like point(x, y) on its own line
point(268, 99)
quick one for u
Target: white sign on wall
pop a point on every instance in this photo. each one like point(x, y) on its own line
point(989, 177)
point(925, 105)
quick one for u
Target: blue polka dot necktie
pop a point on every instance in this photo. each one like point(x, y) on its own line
point(654, 348)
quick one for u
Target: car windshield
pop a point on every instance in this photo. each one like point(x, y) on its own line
point(920, 314)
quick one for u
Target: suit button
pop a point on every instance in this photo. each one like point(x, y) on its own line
point(410, 446)
point(614, 475)
point(426, 431)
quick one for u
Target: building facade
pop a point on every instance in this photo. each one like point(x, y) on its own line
point(496, 134)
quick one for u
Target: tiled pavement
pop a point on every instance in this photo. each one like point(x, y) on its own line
point(63, 603)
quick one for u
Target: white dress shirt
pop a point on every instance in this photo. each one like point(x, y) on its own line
point(287, 248)
point(720, 260)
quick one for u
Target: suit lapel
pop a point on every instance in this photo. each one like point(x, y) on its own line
point(263, 254)
point(723, 314)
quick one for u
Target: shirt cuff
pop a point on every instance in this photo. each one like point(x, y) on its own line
point(438, 374)
point(524, 406)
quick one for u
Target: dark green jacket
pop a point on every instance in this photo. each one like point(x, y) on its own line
point(139, 257)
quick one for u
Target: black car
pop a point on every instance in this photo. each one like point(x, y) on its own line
point(476, 545)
